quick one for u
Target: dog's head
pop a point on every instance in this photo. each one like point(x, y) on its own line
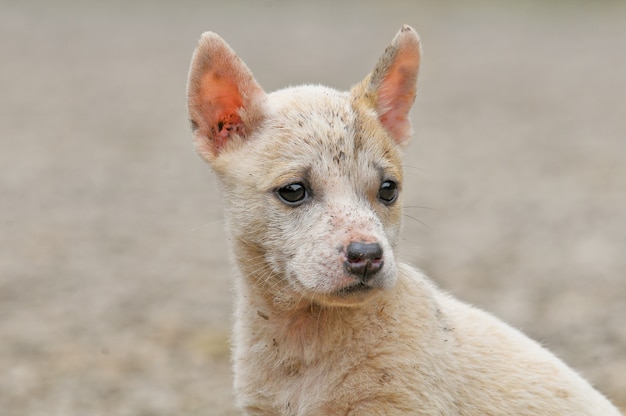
point(311, 176)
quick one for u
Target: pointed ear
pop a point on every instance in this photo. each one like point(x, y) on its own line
point(224, 101)
point(391, 87)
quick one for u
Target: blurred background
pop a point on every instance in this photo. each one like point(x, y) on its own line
point(114, 267)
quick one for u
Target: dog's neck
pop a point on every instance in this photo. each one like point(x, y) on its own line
point(302, 330)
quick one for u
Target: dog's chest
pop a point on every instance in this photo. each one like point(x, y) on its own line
point(329, 368)
point(333, 384)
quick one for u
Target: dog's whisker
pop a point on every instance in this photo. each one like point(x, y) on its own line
point(419, 207)
point(412, 169)
point(418, 221)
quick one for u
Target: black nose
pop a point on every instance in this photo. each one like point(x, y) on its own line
point(363, 259)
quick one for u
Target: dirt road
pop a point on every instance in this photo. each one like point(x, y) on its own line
point(114, 268)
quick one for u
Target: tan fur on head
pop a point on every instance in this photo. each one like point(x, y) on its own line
point(327, 320)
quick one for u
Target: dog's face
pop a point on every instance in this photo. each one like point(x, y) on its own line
point(317, 176)
point(311, 176)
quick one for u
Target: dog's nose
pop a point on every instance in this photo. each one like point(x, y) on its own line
point(363, 259)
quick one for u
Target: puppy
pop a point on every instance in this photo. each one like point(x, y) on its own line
point(327, 320)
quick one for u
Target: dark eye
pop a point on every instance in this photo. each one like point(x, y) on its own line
point(293, 194)
point(388, 192)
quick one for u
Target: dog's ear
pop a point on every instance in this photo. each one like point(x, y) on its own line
point(391, 87)
point(224, 101)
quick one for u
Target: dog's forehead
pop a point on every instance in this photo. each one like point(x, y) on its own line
point(319, 126)
point(310, 108)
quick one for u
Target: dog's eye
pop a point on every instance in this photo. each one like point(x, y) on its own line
point(293, 194)
point(388, 192)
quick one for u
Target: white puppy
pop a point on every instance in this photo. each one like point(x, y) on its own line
point(327, 321)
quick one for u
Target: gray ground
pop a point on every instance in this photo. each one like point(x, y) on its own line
point(114, 272)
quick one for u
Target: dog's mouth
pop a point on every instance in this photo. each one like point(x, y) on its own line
point(356, 288)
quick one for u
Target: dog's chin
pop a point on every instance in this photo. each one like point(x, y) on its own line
point(342, 290)
point(354, 294)
point(355, 289)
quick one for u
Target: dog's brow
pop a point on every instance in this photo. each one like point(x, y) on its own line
point(381, 171)
point(385, 173)
point(291, 176)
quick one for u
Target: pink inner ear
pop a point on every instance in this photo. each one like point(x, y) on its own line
point(221, 102)
point(397, 93)
point(394, 106)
